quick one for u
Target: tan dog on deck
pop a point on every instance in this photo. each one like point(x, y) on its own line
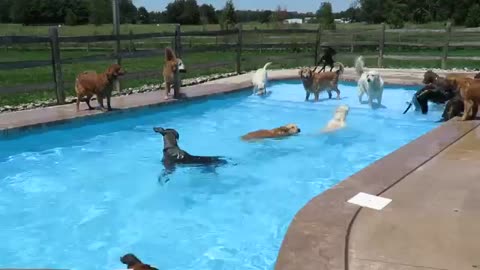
point(172, 63)
point(90, 83)
point(338, 120)
point(317, 83)
point(470, 92)
point(280, 132)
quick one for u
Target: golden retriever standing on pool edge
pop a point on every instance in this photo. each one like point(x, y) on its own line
point(90, 83)
point(470, 93)
point(318, 82)
point(172, 63)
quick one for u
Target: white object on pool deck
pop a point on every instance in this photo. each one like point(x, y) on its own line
point(370, 201)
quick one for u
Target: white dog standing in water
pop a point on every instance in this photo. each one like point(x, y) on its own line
point(338, 120)
point(260, 79)
point(370, 83)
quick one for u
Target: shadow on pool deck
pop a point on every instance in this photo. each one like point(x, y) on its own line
point(434, 182)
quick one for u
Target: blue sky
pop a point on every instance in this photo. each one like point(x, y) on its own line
point(291, 5)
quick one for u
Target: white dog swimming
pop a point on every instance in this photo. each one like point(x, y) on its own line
point(259, 80)
point(339, 119)
point(370, 83)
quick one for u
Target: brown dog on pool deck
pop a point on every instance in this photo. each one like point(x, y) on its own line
point(90, 83)
point(318, 82)
point(280, 132)
point(134, 263)
point(172, 64)
point(470, 93)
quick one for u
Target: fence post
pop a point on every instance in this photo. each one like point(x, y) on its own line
point(448, 31)
point(57, 65)
point(317, 44)
point(352, 45)
point(131, 46)
point(178, 41)
point(116, 33)
point(178, 51)
point(239, 48)
point(381, 46)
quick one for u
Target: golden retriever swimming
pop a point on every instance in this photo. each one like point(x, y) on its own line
point(316, 83)
point(338, 120)
point(283, 131)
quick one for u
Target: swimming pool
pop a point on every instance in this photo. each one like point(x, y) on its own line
point(80, 195)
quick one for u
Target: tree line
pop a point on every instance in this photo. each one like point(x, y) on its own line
point(393, 12)
point(397, 12)
point(74, 12)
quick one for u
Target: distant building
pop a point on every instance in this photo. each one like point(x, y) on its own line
point(343, 20)
point(293, 21)
point(308, 19)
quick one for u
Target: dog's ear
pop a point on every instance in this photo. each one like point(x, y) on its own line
point(159, 130)
point(170, 55)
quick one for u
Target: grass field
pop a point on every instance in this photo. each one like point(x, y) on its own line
point(250, 60)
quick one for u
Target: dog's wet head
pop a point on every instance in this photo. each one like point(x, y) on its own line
point(305, 73)
point(181, 66)
point(170, 136)
point(330, 51)
point(341, 112)
point(430, 77)
point(373, 76)
point(130, 260)
point(114, 71)
point(291, 129)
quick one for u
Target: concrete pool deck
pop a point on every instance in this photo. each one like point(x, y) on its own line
point(433, 182)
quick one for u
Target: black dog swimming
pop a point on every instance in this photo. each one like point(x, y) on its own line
point(173, 155)
point(133, 262)
point(326, 59)
point(432, 93)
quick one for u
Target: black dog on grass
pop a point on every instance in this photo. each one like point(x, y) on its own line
point(173, 155)
point(326, 59)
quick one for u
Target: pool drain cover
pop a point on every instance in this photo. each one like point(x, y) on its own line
point(370, 201)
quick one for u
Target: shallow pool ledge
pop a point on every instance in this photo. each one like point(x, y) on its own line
point(318, 237)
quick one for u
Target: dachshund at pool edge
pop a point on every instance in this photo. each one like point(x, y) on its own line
point(134, 263)
point(172, 64)
point(280, 132)
point(317, 83)
point(173, 154)
point(326, 59)
point(90, 83)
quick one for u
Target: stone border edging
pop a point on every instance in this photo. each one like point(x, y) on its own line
point(318, 236)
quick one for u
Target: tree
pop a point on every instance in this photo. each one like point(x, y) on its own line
point(143, 15)
point(100, 12)
point(265, 16)
point(128, 11)
point(325, 16)
point(473, 19)
point(208, 14)
point(183, 12)
point(5, 11)
point(229, 17)
point(70, 18)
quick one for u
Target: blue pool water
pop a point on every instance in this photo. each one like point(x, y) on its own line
point(80, 195)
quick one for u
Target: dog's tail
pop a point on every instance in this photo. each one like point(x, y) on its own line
point(169, 54)
point(408, 107)
point(341, 68)
point(359, 65)
point(266, 65)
